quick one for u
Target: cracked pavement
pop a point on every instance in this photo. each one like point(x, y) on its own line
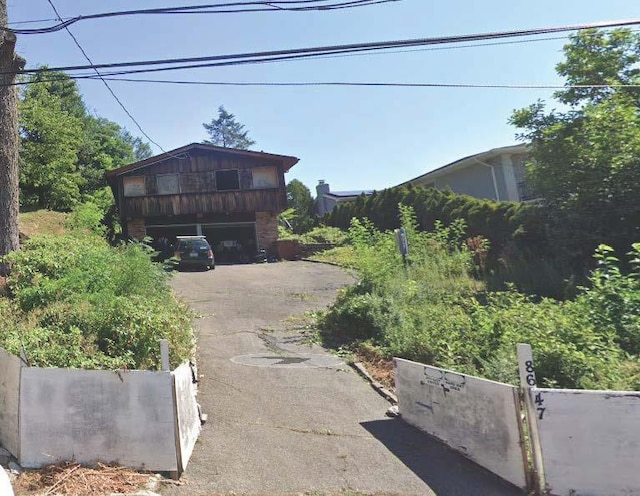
point(280, 424)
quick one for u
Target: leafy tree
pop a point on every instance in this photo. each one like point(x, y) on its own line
point(141, 149)
point(226, 131)
point(586, 160)
point(300, 200)
point(51, 139)
point(65, 149)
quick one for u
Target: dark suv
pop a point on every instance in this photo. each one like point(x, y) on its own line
point(194, 251)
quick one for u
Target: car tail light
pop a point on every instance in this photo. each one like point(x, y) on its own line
point(210, 254)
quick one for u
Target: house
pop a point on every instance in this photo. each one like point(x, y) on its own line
point(496, 174)
point(231, 196)
point(326, 199)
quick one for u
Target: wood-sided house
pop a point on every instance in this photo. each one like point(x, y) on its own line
point(231, 196)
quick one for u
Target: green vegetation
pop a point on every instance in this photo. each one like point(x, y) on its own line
point(436, 312)
point(74, 301)
point(585, 158)
point(227, 132)
point(515, 232)
point(65, 149)
point(300, 214)
point(322, 234)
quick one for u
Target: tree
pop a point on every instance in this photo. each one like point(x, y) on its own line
point(65, 149)
point(51, 139)
point(226, 131)
point(10, 64)
point(300, 200)
point(586, 160)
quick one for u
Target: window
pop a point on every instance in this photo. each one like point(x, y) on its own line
point(168, 184)
point(227, 180)
point(134, 186)
point(265, 177)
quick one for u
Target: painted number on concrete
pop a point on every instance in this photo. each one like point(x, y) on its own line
point(539, 402)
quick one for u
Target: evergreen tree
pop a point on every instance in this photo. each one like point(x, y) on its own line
point(226, 131)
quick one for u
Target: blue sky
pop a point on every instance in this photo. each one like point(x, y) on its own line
point(353, 137)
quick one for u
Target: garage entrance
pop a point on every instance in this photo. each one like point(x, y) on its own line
point(232, 242)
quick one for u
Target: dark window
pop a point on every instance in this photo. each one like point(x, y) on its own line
point(227, 180)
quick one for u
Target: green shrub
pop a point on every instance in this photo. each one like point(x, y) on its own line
point(434, 312)
point(77, 302)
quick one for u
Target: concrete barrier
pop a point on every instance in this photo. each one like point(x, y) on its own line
point(9, 402)
point(137, 418)
point(590, 441)
point(187, 413)
point(125, 417)
point(477, 417)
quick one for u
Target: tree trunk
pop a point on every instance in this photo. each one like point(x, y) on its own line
point(10, 63)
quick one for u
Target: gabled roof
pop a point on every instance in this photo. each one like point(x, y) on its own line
point(467, 161)
point(285, 159)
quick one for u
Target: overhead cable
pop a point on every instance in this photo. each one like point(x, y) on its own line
point(99, 76)
point(289, 54)
point(224, 8)
point(373, 84)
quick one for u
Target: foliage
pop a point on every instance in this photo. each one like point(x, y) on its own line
point(613, 299)
point(299, 198)
point(226, 131)
point(320, 234)
point(77, 302)
point(65, 149)
point(433, 311)
point(585, 159)
point(51, 139)
point(516, 233)
point(87, 217)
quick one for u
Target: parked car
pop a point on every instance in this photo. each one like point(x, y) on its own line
point(194, 251)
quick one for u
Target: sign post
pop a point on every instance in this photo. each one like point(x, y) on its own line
point(403, 244)
point(527, 383)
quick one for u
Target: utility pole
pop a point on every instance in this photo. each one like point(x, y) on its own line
point(10, 64)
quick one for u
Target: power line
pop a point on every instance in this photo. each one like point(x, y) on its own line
point(290, 54)
point(368, 84)
point(225, 8)
point(86, 56)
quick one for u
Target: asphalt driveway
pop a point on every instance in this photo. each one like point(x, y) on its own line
point(286, 417)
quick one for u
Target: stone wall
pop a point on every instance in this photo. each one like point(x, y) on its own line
point(266, 229)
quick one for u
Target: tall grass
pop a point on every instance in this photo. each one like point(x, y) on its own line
point(433, 310)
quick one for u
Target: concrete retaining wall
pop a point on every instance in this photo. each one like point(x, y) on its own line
point(477, 417)
point(590, 441)
point(95, 415)
point(140, 419)
point(9, 402)
point(187, 415)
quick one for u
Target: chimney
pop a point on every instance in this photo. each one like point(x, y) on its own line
point(321, 189)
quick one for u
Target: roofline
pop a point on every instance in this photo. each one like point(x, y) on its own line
point(468, 161)
point(341, 194)
point(287, 160)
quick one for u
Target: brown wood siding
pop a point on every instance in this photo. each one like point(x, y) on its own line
point(203, 162)
point(198, 193)
point(268, 200)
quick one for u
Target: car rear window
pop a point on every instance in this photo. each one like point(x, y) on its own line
point(194, 245)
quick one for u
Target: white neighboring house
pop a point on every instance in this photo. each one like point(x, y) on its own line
point(496, 174)
point(326, 199)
